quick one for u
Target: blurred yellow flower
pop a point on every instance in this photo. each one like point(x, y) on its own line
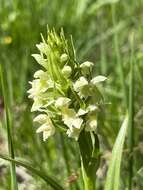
point(7, 40)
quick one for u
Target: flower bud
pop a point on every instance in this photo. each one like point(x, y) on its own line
point(67, 71)
point(64, 57)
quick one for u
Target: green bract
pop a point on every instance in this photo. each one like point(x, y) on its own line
point(63, 90)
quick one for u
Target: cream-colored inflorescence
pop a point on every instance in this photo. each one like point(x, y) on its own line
point(64, 92)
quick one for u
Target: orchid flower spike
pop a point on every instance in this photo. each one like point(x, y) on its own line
point(63, 90)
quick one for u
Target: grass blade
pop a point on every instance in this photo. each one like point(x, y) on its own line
point(113, 175)
point(131, 116)
point(118, 56)
point(52, 182)
point(14, 185)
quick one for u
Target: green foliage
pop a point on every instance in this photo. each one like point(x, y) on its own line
point(101, 32)
point(8, 126)
point(50, 181)
point(113, 175)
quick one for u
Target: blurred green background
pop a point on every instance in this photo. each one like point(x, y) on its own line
point(104, 32)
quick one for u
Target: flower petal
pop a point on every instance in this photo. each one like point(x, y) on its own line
point(41, 118)
point(62, 102)
point(98, 79)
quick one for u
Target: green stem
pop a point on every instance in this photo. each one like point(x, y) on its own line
point(131, 117)
point(89, 183)
point(14, 185)
point(90, 158)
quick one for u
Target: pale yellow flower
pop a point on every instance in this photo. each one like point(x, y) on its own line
point(47, 126)
point(36, 89)
point(86, 67)
point(80, 83)
point(73, 133)
point(64, 90)
point(81, 86)
point(91, 124)
point(71, 119)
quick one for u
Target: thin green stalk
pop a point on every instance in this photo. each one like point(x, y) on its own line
point(14, 185)
point(65, 154)
point(103, 59)
point(131, 117)
point(50, 181)
point(118, 57)
point(89, 183)
point(66, 157)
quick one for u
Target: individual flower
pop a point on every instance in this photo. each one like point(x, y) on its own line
point(86, 67)
point(91, 124)
point(91, 119)
point(81, 86)
point(73, 132)
point(47, 127)
point(71, 119)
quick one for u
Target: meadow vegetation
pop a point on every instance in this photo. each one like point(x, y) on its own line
point(108, 33)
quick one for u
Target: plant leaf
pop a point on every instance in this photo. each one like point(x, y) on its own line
point(52, 182)
point(113, 174)
point(8, 124)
